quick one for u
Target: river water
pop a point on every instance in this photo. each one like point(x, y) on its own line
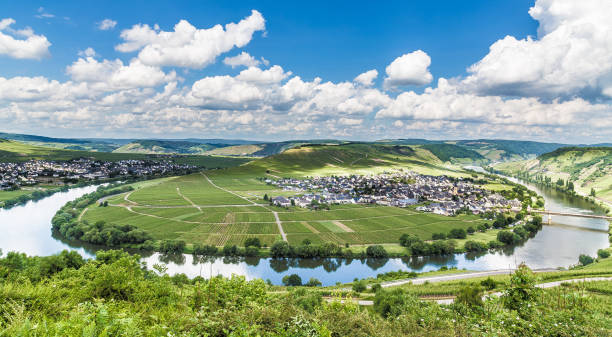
point(27, 229)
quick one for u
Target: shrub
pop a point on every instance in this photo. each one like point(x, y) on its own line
point(470, 230)
point(585, 259)
point(204, 250)
point(252, 242)
point(494, 244)
point(390, 303)
point(280, 249)
point(507, 237)
point(438, 236)
point(375, 287)
point(376, 251)
point(172, 246)
point(457, 233)
point(470, 296)
point(230, 250)
point(488, 283)
point(407, 240)
point(313, 282)
point(475, 246)
point(292, 280)
point(522, 292)
point(359, 286)
point(603, 254)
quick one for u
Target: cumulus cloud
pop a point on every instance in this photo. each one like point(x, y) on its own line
point(242, 59)
point(31, 47)
point(188, 46)
point(114, 75)
point(409, 69)
point(107, 24)
point(572, 54)
point(367, 78)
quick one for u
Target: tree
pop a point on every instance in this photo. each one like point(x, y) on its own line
point(313, 282)
point(522, 292)
point(457, 233)
point(292, 280)
point(475, 246)
point(603, 254)
point(407, 240)
point(488, 283)
point(252, 242)
point(507, 237)
point(593, 193)
point(438, 236)
point(280, 249)
point(376, 251)
point(359, 286)
point(585, 259)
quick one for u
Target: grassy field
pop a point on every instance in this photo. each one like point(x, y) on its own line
point(230, 209)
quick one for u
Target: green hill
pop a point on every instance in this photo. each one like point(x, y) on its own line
point(361, 158)
point(13, 151)
point(166, 146)
point(587, 167)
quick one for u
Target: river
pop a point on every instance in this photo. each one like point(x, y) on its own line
point(27, 229)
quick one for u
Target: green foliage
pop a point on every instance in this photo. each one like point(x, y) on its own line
point(603, 253)
point(457, 233)
point(585, 259)
point(313, 282)
point(172, 246)
point(470, 296)
point(475, 246)
point(292, 280)
point(359, 286)
point(376, 251)
point(521, 294)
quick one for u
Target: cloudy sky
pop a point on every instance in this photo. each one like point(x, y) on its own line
point(509, 69)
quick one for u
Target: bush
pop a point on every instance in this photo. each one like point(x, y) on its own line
point(457, 233)
point(475, 246)
point(359, 286)
point(375, 287)
point(230, 250)
point(292, 280)
point(470, 296)
point(252, 242)
point(585, 259)
point(204, 250)
point(407, 240)
point(603, 254)
point(470, 230)
point(438, 236)
point(488, 283)
point(390, 303)
point(507, 237)
point(376, 251)
point(280, 249)
point(172, 246)
point(313, 282)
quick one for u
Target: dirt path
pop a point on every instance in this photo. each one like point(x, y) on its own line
point(178, 190)
point(343, 226)
point(278, 222)
point(83, 213)
point(309, 227)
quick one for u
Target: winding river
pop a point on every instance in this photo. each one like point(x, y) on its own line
point(27, 229)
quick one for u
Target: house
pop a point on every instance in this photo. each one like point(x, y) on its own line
point(281, 201)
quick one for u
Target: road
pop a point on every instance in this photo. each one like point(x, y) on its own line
point(495, 294)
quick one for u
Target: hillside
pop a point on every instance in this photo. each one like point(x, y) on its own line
point(587, 167)
point(13, 151)
point(362, 158)
point(508, 150)
point(166, 146)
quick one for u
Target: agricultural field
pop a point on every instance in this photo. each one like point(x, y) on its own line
point(227, 207)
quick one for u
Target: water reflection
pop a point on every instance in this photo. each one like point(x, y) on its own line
point(27, 229)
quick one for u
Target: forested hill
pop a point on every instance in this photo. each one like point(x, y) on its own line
point(588, 168)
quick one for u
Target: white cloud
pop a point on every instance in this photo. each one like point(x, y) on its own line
point(89, 52)
point(188, 46)
point(572, 54)
point(242, 59)
point(367, 78)
point(32, 47)
point(107, 24)
point(273, 75)
point(409, 69)
point(114, 75)
point(42, 14)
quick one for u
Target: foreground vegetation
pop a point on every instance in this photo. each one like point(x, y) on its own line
point(113, 295)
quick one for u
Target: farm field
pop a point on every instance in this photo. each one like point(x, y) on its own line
point(227, 207)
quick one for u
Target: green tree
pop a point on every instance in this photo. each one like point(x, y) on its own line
point(292, 280)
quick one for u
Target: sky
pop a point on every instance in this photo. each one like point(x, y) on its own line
point(269, 70)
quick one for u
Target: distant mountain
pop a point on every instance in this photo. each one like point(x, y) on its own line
point(166, 146)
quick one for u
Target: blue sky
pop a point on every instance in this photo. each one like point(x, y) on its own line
point(444, 69)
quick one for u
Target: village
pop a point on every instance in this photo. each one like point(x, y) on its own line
point(437, 194)
point(15, 175)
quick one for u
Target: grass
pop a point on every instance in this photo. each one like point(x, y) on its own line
point(6, 195)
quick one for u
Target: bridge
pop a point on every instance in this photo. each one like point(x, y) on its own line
point(579, 215)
